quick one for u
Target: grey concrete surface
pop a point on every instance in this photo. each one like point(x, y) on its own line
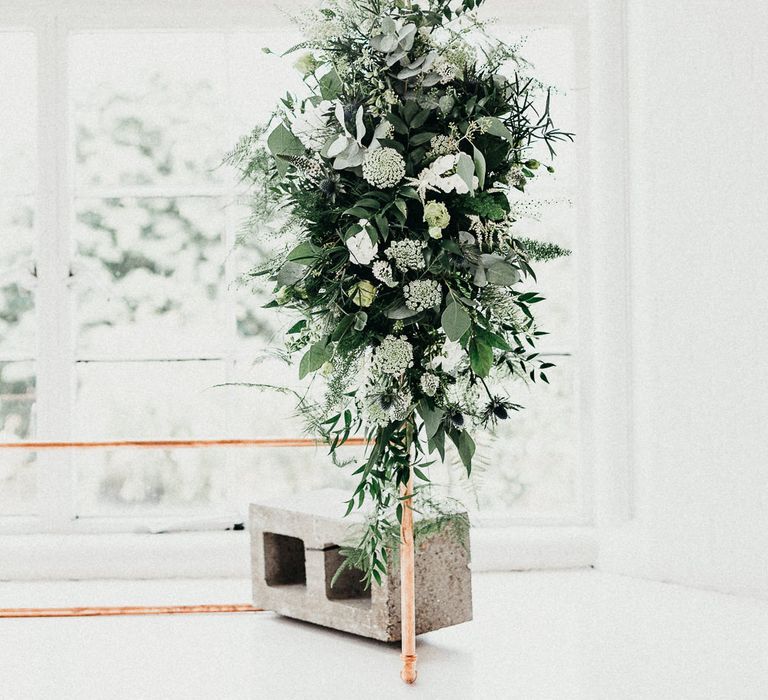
point(295, 554)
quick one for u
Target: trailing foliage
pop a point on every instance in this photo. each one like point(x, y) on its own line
point(395, 172)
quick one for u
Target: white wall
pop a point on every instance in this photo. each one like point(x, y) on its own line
point(698, 219)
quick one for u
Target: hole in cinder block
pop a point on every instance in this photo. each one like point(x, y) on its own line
point(349, 584)
point(284, 563)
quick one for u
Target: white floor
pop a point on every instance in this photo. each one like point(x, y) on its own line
point(536, 636)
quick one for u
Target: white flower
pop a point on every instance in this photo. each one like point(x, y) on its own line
point(451, 356)
point(347, 149)
point(437, 217)
point(361, 249)
point(311, 125)
point(383, 167)
point(442, 145)
point(407, 254)
point(319, 28)
point(394, 355)
point(429, 383)
point(363, 293)
point(445, 69)
point(440, 176)
point(383, 272)
point(422, 294)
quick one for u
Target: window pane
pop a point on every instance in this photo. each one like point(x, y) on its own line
point(530, 466)
point(17, 244)
point(259, 79)
point(18, 112)
point(555, 279)
point(149, 108)
point(129, 400)
point(145, 400)
point(265, 473)
point(17, 469)
point(141, 482)
point(149, 276)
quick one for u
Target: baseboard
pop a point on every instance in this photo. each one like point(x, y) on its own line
point(226, 554)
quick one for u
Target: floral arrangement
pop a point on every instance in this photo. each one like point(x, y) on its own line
point(402, 247)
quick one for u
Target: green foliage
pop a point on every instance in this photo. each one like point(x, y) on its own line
point(410, 321)
point(540, 251)
point(488, 205)
point(455, 321)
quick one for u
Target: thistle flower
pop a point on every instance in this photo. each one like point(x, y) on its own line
point(330, 185)
point(394, 355)
point(383, 167)
point(407, 254)
point(455, 418)
point(388, 406)
point(498, 409)
point(422, 294)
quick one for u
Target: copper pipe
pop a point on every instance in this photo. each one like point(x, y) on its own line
point(174, 444)
point(131, 610)
point(407, 576)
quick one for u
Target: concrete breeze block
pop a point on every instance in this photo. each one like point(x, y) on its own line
point(295, 554)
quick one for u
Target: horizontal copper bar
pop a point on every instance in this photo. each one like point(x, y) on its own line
point(131, 610)
point(168, 444)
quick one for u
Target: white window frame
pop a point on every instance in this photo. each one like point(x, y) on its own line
point(604, 396)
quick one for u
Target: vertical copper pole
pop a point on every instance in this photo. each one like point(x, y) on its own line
point(407, 582)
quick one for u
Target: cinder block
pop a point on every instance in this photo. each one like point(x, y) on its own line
point(295, 554)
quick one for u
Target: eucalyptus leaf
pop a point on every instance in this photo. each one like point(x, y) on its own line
point(314, 358)
point(432, 417)
point(465, 169)
point(466, 446)
point(480, 167)
point(361, 318)
point(503, 274)
point(290, 273)
point(480, 357)
point(445, 104)
point(495, 126)
point(304, 253)
point(455, 321)
point(282, 142)
point(400, 313)
point(330, 85)
point(424, 137)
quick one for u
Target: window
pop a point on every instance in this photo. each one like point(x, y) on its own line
point(120, 307)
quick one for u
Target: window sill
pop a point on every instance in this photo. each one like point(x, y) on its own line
point(227, 554)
